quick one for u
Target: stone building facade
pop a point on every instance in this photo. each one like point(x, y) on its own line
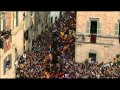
point(97, 35)
point(11, 21)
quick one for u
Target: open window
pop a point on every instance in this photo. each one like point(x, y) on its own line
point(51, 19)
point(17, 18)
point(60, 13)
point(117, 29)
point(93, 28)
point(93, 56)
point(118, 56)
point(1, 43)
point(26, 35)
point(7, 63)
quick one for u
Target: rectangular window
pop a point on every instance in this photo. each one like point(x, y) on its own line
point(118, 55)
point(119, 28)
point(1, 24)
point(16, 18)
point(93, 56)
point(93, 26)
point(4, 24)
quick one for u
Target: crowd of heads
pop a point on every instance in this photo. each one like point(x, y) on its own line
point(5, 34)
point(38, 62)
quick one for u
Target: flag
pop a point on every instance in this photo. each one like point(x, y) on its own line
point(93, 39)
point(7, 43)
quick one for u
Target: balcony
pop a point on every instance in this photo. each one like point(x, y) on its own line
point(6, 40)
point(96, 39)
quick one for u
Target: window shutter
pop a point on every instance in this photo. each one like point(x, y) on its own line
point(116, 28)
point(10, 58)
point(88, 27)
point(4, 24)
point(1, 24)
point(98, 28)
point(16, 18)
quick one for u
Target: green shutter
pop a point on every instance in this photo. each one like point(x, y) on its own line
point(16, 18)
point(88, 27)
point(116, 29)
point(98, 28)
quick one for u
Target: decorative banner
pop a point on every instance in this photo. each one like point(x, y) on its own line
point(7, 43)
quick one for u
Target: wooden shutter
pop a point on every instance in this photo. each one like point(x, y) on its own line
point(116, 29)
point(88, 27)
point(98, 28)
point(4, 24)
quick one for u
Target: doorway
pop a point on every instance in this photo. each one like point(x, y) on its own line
point(93, 31)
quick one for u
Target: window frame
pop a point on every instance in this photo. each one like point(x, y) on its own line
point(89, 25)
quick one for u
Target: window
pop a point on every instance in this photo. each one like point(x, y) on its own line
point(93, 26)
point(24, 14)
point(93, 56)
point(118, 55)
point(4, 24)
point(93, 31)
point(7, 63)
point(26, 35)
point(16, 18)
point(1, 43)
point(1, 24)
point(117, 28)
point(60, 13)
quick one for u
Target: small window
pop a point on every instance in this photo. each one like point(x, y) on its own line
point(118, 56)
point(117, 28)
point(60, 13)
point(93, 56)
point(7, 63)
point(4, 24)
point(26, 35)
point(16, 18)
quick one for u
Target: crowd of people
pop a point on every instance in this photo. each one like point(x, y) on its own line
point(38, 62)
